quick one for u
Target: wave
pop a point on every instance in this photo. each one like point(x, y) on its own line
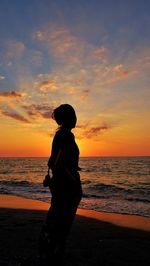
point(97, 190)
point(97, 170)
point(108, 196)
point(6, 172)
point(138, 200)
point(94, 196)
point(18, 183)
point(106, 187)
point(116, 184)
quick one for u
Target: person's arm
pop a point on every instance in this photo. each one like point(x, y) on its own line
point(49, 163)
point(60, 163)
point(54, 151)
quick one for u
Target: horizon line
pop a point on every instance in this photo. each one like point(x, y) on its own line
point(96, 156)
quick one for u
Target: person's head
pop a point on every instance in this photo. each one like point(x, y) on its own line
point(65, 116)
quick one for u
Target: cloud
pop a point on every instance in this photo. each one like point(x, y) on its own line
point(117, 73)
point(84, 94)
point(34, 58)
point(2, 77)
point(47, 85)
point(99, 54)
point(112, 74)
point(15, 50)
point(15, 116)
point(35, 110)
point(89, 63)
point(65, 46)
point(86, 131)
point(142, 61)
point(10, 94)
point(61, 44)
point(95, 131)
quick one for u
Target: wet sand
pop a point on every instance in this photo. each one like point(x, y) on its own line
point(96, 239)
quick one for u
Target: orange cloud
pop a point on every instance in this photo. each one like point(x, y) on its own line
point(142, 61)
point(90, 132)
point(10, 94)
point(84, 94)
point(99, 54)
point(112, 74)
point(64, 45)
point(15, 116)
point(35, 110)
point(119, 70)
point(59, 42)
point(95, 131)
point(48, 85)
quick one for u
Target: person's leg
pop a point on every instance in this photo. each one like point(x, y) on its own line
point(47, 235)
point(59, 221)
point(67, 210)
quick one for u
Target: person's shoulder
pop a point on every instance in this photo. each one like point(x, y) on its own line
point(65, 134)
point(58, 135)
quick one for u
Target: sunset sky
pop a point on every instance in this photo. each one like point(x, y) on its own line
point(94, 55)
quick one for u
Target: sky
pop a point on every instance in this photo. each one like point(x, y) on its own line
point(92, 54)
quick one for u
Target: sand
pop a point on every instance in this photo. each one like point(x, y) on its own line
point(96, 238)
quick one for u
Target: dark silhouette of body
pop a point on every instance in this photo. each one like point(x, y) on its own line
point(66, 186)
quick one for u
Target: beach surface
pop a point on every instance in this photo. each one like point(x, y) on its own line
point(96, 238)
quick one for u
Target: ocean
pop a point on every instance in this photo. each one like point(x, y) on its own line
point(110, 184)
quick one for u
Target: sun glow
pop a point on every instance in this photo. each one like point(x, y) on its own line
point(71, 59)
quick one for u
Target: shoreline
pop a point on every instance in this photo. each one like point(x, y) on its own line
point(124, 220)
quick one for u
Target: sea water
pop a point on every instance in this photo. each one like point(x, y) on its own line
point(111, 184)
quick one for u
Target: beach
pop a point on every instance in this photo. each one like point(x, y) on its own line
point(96, 238)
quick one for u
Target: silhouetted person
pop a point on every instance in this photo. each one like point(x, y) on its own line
point(66, 186)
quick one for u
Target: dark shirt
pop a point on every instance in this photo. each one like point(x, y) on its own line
point(64, 142)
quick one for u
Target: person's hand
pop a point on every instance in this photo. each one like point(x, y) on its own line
point(46, 181)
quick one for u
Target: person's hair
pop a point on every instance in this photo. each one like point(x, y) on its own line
point(65, 115)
